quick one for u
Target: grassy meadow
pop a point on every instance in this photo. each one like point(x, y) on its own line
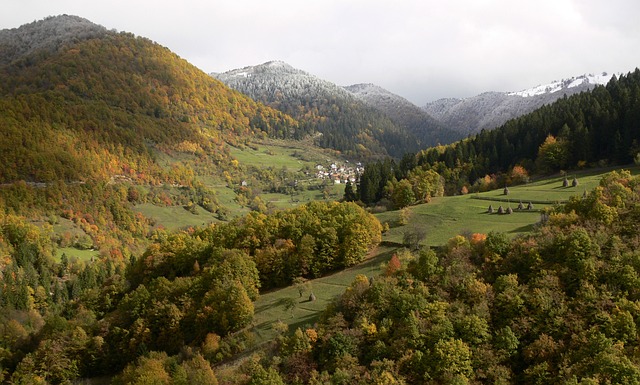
point(445, 217)
point(175, 217)
point(80, 255)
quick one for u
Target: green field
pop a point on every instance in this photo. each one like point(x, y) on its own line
point(269, 156)
point(283, 201)
point(175, 217)
point(80, 255)
point(445, 217)
point(277, 154)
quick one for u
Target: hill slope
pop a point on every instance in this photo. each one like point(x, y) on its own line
point(405, 114)
point(83, 102)
point(344, 122)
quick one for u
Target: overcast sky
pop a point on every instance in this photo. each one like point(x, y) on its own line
point(422, 50)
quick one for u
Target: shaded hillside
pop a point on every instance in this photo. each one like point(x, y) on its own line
point(405, 114)
point(84, 102)
point(492, 109)
point(344, 122)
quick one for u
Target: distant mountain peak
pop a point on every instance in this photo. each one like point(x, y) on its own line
point(364, 87)
point(489, 110)
point(49, 34)
point(277, 63)
point(564, 84)
point(263, 80)
point(273, 66)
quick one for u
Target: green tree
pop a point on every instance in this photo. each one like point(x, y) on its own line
point(349, 193)
point(147, 370)
point(289, 304)
point(225, 308)
point(262, 376)
point(401, 194)
point(452, 360)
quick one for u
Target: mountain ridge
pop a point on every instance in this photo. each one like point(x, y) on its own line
point(404, 113)
point(343, 121)
point(491, 109)
point(438, 122)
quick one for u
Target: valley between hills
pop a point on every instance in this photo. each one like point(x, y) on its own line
point(162, 225)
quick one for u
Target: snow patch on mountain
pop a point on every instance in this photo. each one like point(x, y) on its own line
point(558, 85)
point(404, 113)
point(277, 80)
point(48, 34)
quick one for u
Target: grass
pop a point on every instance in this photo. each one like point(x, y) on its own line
point(175, 217)
point(283, 201)
point(269, 308)
point(80, 255)
point(293, 155)
point(445, 217)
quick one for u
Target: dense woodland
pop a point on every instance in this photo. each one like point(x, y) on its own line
point(195, 290)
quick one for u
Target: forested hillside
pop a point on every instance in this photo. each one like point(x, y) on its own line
point(405, 114)
point(189, 291)
point(343, 122)
point(596, 128)
point(559, 306)
point(93, 121)
point(101, 104)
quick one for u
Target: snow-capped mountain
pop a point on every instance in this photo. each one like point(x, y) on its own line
point(277, 80)
point(49, 33)
point(359, 118)
point(492, 109)
point(559, 85)
point(404, 113)
point(346, 120)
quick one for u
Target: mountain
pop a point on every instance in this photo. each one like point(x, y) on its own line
point(344, 122)
point(78, 101)
point(405, 114)
point(46, 35)
point(492, 109)
point(95, 122)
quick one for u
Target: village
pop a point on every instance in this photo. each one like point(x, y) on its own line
point(340, 173)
